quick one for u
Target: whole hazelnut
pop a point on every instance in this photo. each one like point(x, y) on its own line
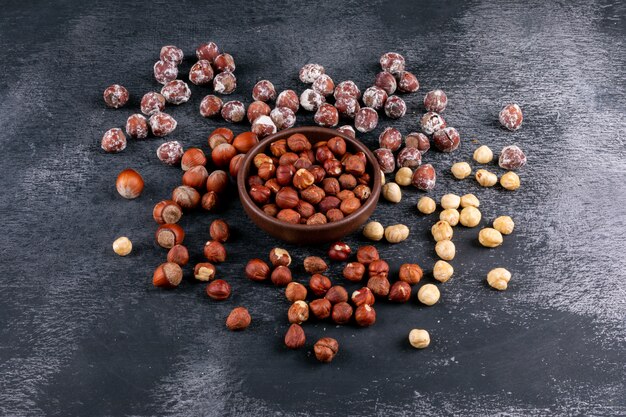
point(407, 82)
point(385, 159)
point(354, 271)
point(281, 276)
point(511, 116)
point(365, 315)
point(409, 158)
point(419, 338)
point(288, 99)
point(283, 117)
point(392, 62)
point(317, 219)
point(295, 292)
point(336, 294)
point(122, 246)
point(115, 96)
point(260, 194)
point(279, 256)
point(314, 265)
point(347, 89)
point(263, 126)
point(490, 238)
point(445, 249)
point(512, 158)
point(446, 139)
point(499, 278)
point(168, 235)
point(363, 296)
point(210, 106)
point(366, 120)
point(238, 319)
point(424, 177)
point(287, 198)
point(461, 170)
point(218, 290)
point(347, 130)
point(298, 312)
point(320, 308)
point(151, 103)
point(137, 126)
point(341, 313)
point(396, 233)
point(400, 292)
point(386, 81)
point(129, 184)
point(196, 177)
point(222, 154)
point(411, 273)
point(325, 349)
point(486, 178)
point(510, 181)
point(432, 122)
point(379, 285)
point(468, 200)
point(217, 181)
point(362, 192)
point(470, 216)
point(167, 275)
point(435, 101)
point(162, 124)
point(483, 155)
point(214, 251)
point(219, 230)
point(257, 270)
point(450, 201)
point(319, 284)
point(208, 51)
point(295, 337)
point(395, 107)
point(186, 197)
point(374, 231)
point(167, 211)
point(378, 268)
point(504, 225)
point(347, 106)
point(303, 179)
point(204, 271)
point(209, 201)
point(441, 231)
point(442, 271)
point(428, 294)
point(334, 215)
point(450, 215)
point(390, 138)
point(391, 191)
point(426, 205)
point(310, 72)
point(235, 164)
point(178, 254)
point(417, 140)
point(339, 251)
point(354, 165)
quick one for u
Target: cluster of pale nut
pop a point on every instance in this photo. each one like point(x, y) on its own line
point(395, 233)
point(484, 155)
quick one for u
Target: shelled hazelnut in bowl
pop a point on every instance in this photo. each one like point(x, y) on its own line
point(308, 175)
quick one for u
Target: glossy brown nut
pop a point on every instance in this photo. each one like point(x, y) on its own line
point(363, 296)
point(218, 290)
point(354, 271)
point(336, 294)
point(411, 273)
point(186, 197)
point(379, 285)
point(378, 268)
point(354, 165)
point(289, 216)
point(313, 194)
point(400, 292)
point(178, 254)
point(287, 198)
point(333, 167)
point(270, 209)
point(235, 164)
point(222, 154)
point(298, 312)
point(314, 265)
point(326, 349)
point(339, 251)
point(298, 143)
point(209, 201)
point(341, 313)
point(424, 177)
point(317, 219)
point(303, 179)
point(266, 171)
point(281, 276)
point(319, 284)
point(334, 215)
point(367, 254)
point(347, 181)
point(260, 194)
point(167, 275)
point(362, 192)
point(217, 181)
point(238, 319)
point(191, 158)
point(214, 251)
point(167, 211)
point(320, 308)
point(278, 148)
point(365, 315)
point(168, 235)
point(295, 292)
point(295, 337)
point(279, 256)
point(257, 270)
point(331, 186)
point(219, 230)
point(196, 177)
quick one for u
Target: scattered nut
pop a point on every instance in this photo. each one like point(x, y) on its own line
point(279, 256)
point(396, 233)
point(461, 170)
point(419, 338)
point(489, 238)
point(219, 230)
point(426, 205)
point(442, 271)
point(428, 294)
point(336, 294)
point(320, 308)
point(122, 246)
point(400, 292)
point(354, 271)
point(295, 337)
point(238, 319)
point(499, 278)
point(450, 201)
point(214, 251)
point(504, 225)
point(367, 254)
point(404, 176)
point(450, 215)
point(441, 231)
point(363, 296)
point(470, 216)
point(281, 276)
point(445, 249)
point(486, 178)
point(325, 349)
point(512, 158)
point(257, 270)
point(319, 284)
point(379, 285)
point(295, 292)
point(218, 290)
point(365, 315)
point(178, 254)
point(341, 313)
point(298, 312)
point(511, 116)
point(314, 265)
point(469, 200)
point(411, 273)
point(391, 191)
point(483, 155)
point(374, 231)
point(339, 251)
point(510, 181)
point(204, 271)
point(425, 177)
point(167, 275)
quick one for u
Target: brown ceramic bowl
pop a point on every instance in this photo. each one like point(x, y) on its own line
point(302, 233)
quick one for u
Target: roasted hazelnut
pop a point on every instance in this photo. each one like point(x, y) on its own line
point(284, 173)
point(331, 186)
point(510, 181)
point(344, 195)
point(214, 251)
point(257, 270)
point(295, 337)
point(204, 271)
point(379, 285)
point(304, 209)
point(323, 154)
point(298, 142)
point(468, 200)
point(178, 254)
point(367, 254)
point(287, 198)
point(314, 265)
point(327, 203)
point(347, 181)
point(504, 225)
point(319, 284)
point(295, 292)
point(435, 101)
point(363, 296)
point(511, 116)
point(270, 209)
point(365, 315)
point(337, 145)
point(426, 205)
point(396, 233)
point(318, 173)
point(317, 219)
point(385, 159)
point(362, 192)
point(424, 177)
point(486, 178)
point(218, 290)
point(209, 201)
point(219, 230)
point(238, 319)
point(366, 120)
point(260, 194)
point(326, 349)
point(374, 231)
point(354, 271)
point(339, 251)
point(266, 171)
point(334, 215)
point(279, 256)
point(354, 165)
point(281, 276)
point(303, 179)
point(470, 216)
point(442, 271)
point(411, 273)
point(417, 140)
point(167, 275)
point(400, 292)
point(196, 177)
point(392, 192)
point(288, 158)
point(336, 294)
point(320, 308)
point(390, 138)
point(298, 312)
point(235, 164)
point(222, 154)
point(303, 162)
point(129, 184)
point(409, 157)
point(445, 249)
point(342, 312)
point(349, 205)
point(278, 148)
point(186, 197)
point(168, 235)
point(419, 338)
point(490, 238)
point(450, 215)
point(428, 294)
point(333, 167)
point(378, 267)
point(210, 106)
point(461, 170)
point(499, 278)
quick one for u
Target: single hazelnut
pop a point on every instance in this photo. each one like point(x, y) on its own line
point(411, 273)
point(510, 181)
point(217, 181)
point(266, 171)
point(334, 215)
point(435, 100)
point(320, 308)
point(260, 194)
point(374, 231)
point(424, 177)
point(391, 192)
point(483, 155)
point(314, 265)
point(432, 122)
point(316, 219)
point(499, 278)
point(218, 290)
point(511, 116)
point(302, 179)
point(295, 292)
point(446, 139)
point(279, 256)
point(504, 225)
point(354, 271)
point(336, 294)
point(281, 276)
point(367, 254)
point(186, 197)
point(326, 349)
point(445, 249)
point(469, 200)
point(362, 192)
point(441, 231)
point(298, 312)
point(379, 285)
point(378, 268)
point(442, 271)
point(511, 158)
point(214, 251)
point(400, 292)
point(470, 216)
point(341, 313)
point(426, 205)
point(178, 254)
point(209, 201)
point(486, 178)
point(363, 296)
point(222, 154)
point(461, 170)
point(204, 271)
point(168, 235)
point(385, 81)
point(339, 251)
point(428, 294)
point(167, 211)
point(295, 337)
point(122, 246)
point(319, 284)
point(245, 141)
point(396, 233)
point(270, 209)
point(450, 201)
point(238, 319)
point(137, 126)
point(235, 165)
point(287, 198)
point(196, 177)
point(419, 338)
point(404, 176)
point(450, 215)
point(490, 238)
point(129, 184)
point(390, 138)
point(365, 315)
point(167, 275)
point(257, 270)
point(219, 230)
point(386, 161)
point(191, 158)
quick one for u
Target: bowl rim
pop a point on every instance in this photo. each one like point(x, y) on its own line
point(309, 130)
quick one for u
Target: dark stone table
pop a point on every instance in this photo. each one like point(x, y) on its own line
point(84, 332)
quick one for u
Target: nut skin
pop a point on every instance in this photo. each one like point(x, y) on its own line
point(204, 271)
point(319, 284)
point(168, 235)
point(218, 290)
point(281, 276)
point(379, 285)
point(178, 254)
point(354, 271)
point(314, 265)
point(238, 319)
point(219, 230)
point(326, 349)
point(365, 315)
point(129, 184)
point(339, 251)
point(446, 139)
point(186, 197)
point(378, 268)
point(411, 273)
point(386, 160)
point(320, 308)
point(390, 138)
point(209, 201)
point(295, 292)
point(363, 296)
point(400, 292)
point(279, 256)
point(374, 231)
point(341, 313)
point(295, 337)
point(257, 270)
point(298, 312)
point(367, 254)
point(167, 211)
point(167, 275)
point(214, 251)
point(317, 218)
point(336, 294)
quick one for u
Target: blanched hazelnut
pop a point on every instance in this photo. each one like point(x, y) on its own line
point(419, 338)
point(504, 225)
point(122, 246)
point(499, 278)
point(396, 233)
point(483, 155)
point(510, 181)
point(450, 215)
point(469, 200)
point(442, 271)
point(441, 231)
point(470, 216)
point(450, 201)
point(404, 176)
point(486, 178)
point(391, 191)
point(374, 231)
point(445, 249)
point(426, 205)
point(489, 238)
point(428, 294)
point(461, 170)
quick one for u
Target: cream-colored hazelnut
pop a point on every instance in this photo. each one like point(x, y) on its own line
point(499, 278)
point(504, 225)
point(483, 155)
point(461, 170)
point(396, 233)
point(441, 231)
point(510, 181)
point(445, 249)
point(450, 215)
point(486, 178)
point(442, 271)
point(122, 246)
point(450, 201)
point(419, 338)
point(392, 192)
point(383, 180)
point(490, 238)
point(426, 205)
point(469, 200)
point(470, 216)
point(428, 294)
point(404, 176)
point(374, 231)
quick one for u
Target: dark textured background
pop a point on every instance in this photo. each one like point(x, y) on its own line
point(83, 332)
